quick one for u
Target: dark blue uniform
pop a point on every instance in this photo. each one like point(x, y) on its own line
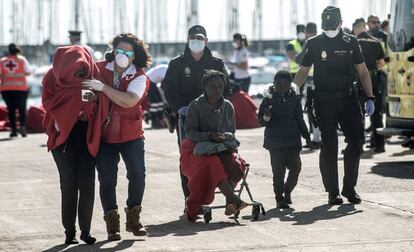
point(336, 103)
point(182, 84)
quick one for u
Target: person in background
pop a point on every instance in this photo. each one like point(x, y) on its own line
point(281, 113)
point(125, 84)
point(374, 57)
point(309, 89)
point(294, 47)
point(182, 82)
point(385, 26)
point(239, 63)
point(13, 87)
point(374, 25)
point(156, 99)
point(75, 38)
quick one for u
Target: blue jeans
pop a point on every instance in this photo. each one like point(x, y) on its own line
point(107, 165)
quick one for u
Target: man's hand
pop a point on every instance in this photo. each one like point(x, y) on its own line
point(93, 85)
point(267, 113)
point(369, 108)
point(217, 137)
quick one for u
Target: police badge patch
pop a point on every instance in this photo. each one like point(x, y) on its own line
point(187, 71)
point(324, 55)
point(346, 38)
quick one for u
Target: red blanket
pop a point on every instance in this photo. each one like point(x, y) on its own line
point(245, 110)
point(204, 173)
point(35, 116)
point(61, 98)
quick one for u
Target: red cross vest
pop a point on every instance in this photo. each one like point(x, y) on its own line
point(125, 124)
point(13, 74)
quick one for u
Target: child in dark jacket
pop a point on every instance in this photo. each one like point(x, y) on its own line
point(281, 113)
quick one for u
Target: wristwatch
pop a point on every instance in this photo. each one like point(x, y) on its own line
point(371, 98)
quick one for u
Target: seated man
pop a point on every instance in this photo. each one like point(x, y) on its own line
point(208, 154)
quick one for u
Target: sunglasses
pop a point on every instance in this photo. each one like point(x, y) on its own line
point(129, 54)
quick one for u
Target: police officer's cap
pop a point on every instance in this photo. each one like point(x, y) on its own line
point(197, 30)
point(331, 17)
point(75, 33)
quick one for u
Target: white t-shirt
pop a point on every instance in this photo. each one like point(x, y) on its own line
point(157, 73)
point(240, 56)
point(138, 85)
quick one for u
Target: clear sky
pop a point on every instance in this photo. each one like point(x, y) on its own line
point(165, 19)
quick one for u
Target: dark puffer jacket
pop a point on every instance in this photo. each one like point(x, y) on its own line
point(286, 124)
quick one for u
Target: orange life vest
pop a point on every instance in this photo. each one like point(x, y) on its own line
point(125, 123)
point(13, 74)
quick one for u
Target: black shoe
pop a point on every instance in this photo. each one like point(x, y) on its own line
point(71, 240)
point(353, 198)
point(282, 205)
point(23, 132)
point(379, 149)
point(335, 199)
point(288, 199)
point(13, 134)
point(88, 239)
point(370, 146)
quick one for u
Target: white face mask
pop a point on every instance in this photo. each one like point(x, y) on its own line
point(235, 45)
point(121, 60)
point(332, 33)
point(196, 46)
point(301, 36)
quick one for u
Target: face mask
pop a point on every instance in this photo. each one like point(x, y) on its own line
point(235, 45)
point(332, 33)
point(301, 36)
point(196, 46)
point(121, 60)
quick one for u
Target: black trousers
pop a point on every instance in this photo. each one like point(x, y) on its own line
point(282, 158)
point(77, 180)
point(376, 121)
point(16, 100)
point(348, 114)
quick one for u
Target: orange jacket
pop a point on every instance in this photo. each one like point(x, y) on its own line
point(13, 70)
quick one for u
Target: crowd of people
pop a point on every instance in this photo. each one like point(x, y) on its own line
point(94, 116)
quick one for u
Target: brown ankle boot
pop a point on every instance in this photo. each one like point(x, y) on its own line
point(112, 225)
point(132, 221)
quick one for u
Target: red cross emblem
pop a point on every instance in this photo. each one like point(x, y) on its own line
point(11, 65)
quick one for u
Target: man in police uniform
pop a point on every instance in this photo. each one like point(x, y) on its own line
point(374, 59)
point(335, 56)
point(182, 82)
point(294, 47)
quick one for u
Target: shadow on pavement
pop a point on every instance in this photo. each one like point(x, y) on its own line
point(323, 212)
point(120, 245)
point(6, 139)
point(183, 227)
point(402, 170)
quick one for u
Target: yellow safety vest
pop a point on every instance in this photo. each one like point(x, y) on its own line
point(293, 66)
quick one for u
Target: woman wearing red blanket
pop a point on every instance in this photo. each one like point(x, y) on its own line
point(73, 129)
point(208, 154)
